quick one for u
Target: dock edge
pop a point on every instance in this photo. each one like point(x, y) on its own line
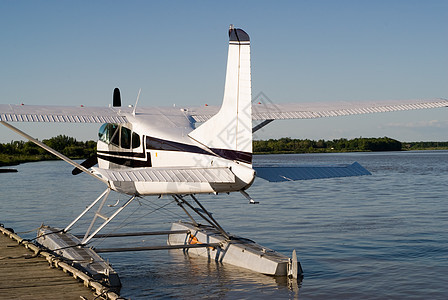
point(89, 282)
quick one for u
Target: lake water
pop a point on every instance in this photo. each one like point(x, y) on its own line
point(383, 236)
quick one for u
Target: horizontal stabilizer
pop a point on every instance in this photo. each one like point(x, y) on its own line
point(210, 175)
point(306, 172)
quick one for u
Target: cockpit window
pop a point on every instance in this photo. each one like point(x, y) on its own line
point(108, 133)
point(115, 138)
point(135, 140)
point(119, 136)
point(101, 132)
point(125, 138)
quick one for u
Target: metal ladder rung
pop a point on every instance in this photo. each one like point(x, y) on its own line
point(137, 233)
point(167, 247)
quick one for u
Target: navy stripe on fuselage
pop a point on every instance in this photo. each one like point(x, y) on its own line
point(160, 144)
point(125, 158)
point(245, 157)
point(126, 161)
point(123, 153)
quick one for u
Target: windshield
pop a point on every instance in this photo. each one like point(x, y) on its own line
point(108, 133)
point(119, 136)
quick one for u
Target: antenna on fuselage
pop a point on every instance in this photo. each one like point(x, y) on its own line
point(136, 102)
point(116, 100)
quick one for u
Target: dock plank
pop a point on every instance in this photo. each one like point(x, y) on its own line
point(33, 278)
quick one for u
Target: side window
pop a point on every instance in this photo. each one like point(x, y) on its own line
point(109, 133)
point(135, 140)
point(115, 135)
point(102, 133)
point(125, 138)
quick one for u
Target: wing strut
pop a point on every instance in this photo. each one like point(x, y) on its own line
point(52, 151)
point(261, 125)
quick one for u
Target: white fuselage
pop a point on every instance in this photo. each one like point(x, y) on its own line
point(141, 144)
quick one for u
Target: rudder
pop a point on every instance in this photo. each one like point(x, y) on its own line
point(231, 128)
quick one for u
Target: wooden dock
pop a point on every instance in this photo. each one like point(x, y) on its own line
point(27, 272)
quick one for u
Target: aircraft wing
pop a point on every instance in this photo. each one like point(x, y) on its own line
point(291, 173)
point(70, 114)
point(208, 175)
point(261, 111)
point(87, 114)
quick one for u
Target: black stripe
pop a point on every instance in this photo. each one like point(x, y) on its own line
point(245, 157)
point(159, 144)
point(127, 162)
point(126, 158)
point(121, 153)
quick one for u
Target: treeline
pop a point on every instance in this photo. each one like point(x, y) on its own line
point(17, 152)
point(288, 145)
point(425, 145)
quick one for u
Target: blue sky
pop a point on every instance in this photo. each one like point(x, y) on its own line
point(76, 52)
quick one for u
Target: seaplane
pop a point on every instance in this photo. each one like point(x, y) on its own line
point(182, 152)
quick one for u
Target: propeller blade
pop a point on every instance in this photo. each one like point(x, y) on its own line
point(88, 163)
point(116, 98)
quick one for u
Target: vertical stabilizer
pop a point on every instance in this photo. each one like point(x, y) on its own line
point(231, 128)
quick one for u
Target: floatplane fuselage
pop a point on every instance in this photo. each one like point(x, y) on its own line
point(124, 146)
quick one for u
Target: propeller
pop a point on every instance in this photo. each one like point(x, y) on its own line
point(88, 163)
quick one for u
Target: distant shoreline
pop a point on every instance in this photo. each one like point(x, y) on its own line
point(18, 152)
point(353, 151)
point(33, 158)
point(288, 145)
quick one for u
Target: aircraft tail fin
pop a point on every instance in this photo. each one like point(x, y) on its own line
point(230, 130)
